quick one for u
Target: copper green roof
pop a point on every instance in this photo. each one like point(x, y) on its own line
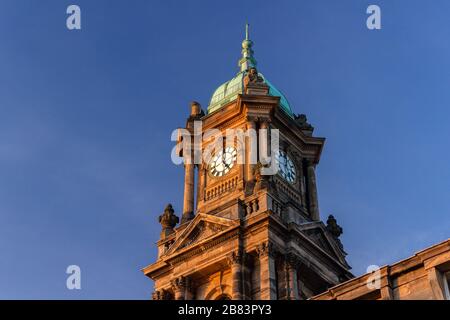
point(230, 90)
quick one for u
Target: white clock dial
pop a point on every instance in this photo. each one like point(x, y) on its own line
point(222, 162)
point(286, 168)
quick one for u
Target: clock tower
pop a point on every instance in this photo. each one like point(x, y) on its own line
point(250, 227)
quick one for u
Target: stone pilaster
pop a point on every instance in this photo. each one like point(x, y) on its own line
point(201, 183)
point(235, 263)
point(179, 288)
point(312, 191)
point(268, 282)
point(292, 263)
point(188, 202)
point(302, 184)
point(264, 145)
point(251, 125)
point(247, 277)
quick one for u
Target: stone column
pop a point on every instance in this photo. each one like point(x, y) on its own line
point(235, 263)
point(179, 288)
point(436, 281)
point(188, 202)
point(156, 295)
point(312, 191)
point(189, 155)
point(201, 183)
point(268, 282)
point(291, 268)
point(265, 145)
point(251, 125)
point(160, 295)
point(302, 184)
point(247, 277)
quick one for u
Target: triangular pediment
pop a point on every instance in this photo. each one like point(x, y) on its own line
point(202, 228)
point(318, 234)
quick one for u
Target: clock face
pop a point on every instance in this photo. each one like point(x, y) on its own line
point(222, 162)
point(286, 168)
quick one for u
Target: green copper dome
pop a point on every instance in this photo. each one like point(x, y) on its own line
point(230, 90)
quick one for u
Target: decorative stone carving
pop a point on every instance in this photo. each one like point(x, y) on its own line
point(168, 244)
point(196, 111)
point(292, 260)
point(179, 287)
point(253, 77)
point(235, 260)
point(265, 249)
point(302, 122)
point(332, 226)
point(335, 230)
point(235, 257)
point(251, 207)
point(178, 283)
point(202, 231)
point(161, 295)
point(168, 221)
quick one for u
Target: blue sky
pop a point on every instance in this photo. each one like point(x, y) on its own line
point(86, 117)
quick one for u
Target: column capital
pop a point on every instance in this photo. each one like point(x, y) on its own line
point(179, 288)
point(292, 260)
point(162, 294)
point(235, 262)
point(235, 258)
point(252, 120)
point(265, 249)
point(178, 283)
point(156, 295)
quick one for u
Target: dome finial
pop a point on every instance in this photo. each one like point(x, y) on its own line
point(247, 61)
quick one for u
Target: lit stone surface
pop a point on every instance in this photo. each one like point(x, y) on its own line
point(249, 236)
